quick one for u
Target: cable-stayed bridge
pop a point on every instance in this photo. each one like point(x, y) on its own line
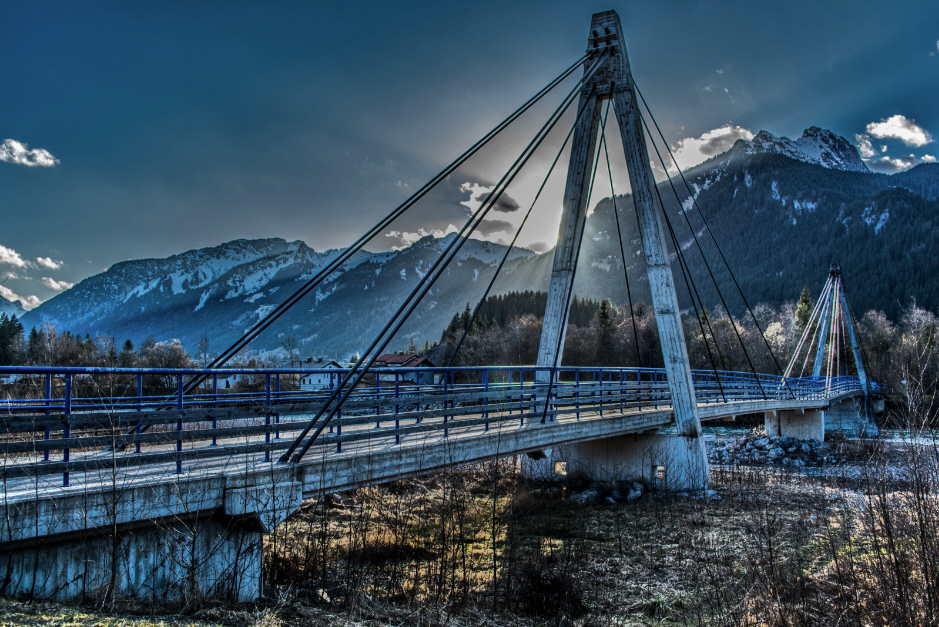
point(158, 483)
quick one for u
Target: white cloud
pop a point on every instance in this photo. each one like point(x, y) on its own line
point(928, 159)
point(890, 164)
point(478, 193)
point(13, 151)
point(864, 146)
point(10, 257)
point(28, 302)
point(59, 286)
point(902, 128)
point(539, 247)
point(48, 262)
point(406, 238)
point(691, 151)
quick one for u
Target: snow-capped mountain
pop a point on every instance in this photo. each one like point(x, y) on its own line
point(11, 307)
point(817, 146)
point(222, 291)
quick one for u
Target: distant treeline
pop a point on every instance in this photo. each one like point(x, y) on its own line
point(498, 310)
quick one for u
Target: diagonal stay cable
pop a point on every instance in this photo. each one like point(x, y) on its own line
point(331, 267)
point(857, 334)
point(511, 246)
point(680, 254)
point(619, 235)
point(713, 238)
point(816, 312)
point(427, 282)
point(430, 278)
point(692, 294)
point(688, 276)
point(336, 263)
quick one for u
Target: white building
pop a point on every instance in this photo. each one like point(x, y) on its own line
point(320, 380)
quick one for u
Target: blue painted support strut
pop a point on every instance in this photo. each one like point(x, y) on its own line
point(139, 408)
point(67, 428)
point(214, 404)
point(277, 402)
point(267, 417)
point(46, 428)
point(397, 407)
point(179, 424)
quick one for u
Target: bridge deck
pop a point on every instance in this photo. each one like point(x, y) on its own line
point(375, 458)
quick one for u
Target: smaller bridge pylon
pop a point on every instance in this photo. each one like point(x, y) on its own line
point(830, 351)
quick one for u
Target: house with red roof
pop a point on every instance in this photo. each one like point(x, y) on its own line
point(407, 360)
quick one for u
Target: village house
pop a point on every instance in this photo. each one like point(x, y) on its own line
point(407, 360)
point(319, 380)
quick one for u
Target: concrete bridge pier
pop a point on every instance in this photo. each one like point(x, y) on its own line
point(851, 417)
point(171, 542)
point(661, 462)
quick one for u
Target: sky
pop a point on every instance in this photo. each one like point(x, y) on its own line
point(145, 129)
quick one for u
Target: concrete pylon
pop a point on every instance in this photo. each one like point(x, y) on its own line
point(614, 80)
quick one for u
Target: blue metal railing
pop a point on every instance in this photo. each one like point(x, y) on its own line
point(46, 412)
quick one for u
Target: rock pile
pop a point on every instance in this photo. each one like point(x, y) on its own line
point(584, 494)
point(758, 449)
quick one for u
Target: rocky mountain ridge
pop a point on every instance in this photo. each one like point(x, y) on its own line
point(780, 219)
point(817, 146)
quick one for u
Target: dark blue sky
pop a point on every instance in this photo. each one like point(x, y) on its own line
point(168, 126)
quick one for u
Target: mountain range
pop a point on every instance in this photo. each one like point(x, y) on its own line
point(11, 308)
point(782, 211)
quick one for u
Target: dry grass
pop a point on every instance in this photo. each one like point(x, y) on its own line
point(481, 546)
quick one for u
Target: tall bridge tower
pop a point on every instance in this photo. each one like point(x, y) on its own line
point(614, 81)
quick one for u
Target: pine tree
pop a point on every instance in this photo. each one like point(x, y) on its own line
point(466, 317)
point(605, 345)
point(804, 308)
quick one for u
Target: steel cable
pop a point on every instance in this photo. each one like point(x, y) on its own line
point(432, 275)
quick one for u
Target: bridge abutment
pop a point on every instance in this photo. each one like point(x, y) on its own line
point(663, 462)
point(172, 542)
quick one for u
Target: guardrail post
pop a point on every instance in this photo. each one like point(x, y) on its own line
point(486, 398)
point(577, 393)
point(622, 392)
point(267, 416)
point(601, 393)
point(179, 424)
point(139, 408)
point(446, 403)
point(277, 402)
point(332, 384)
point(398, 408)
point(338, 433)
point(378, 399)
point(214, 404)
point(67, 428)
point(46, 429)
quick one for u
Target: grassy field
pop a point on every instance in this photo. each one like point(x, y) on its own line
point(856, 544)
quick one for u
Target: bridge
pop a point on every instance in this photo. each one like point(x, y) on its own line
point(161, 484)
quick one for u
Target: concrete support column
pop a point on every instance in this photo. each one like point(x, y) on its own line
point(802, 425)
point(661, 462)
point(573, 219)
